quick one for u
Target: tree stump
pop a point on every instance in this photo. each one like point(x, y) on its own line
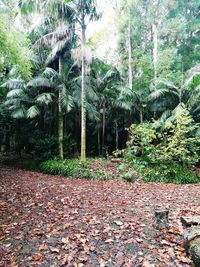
point(161, 218)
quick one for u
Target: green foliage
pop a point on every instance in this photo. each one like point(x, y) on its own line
point(14, 50)
point(59, 167)
point(173, 173)
point(165, 151)
point(73, 168)
point(141, 139)
point(127, 172)
point(180, 143)
point(46, 147)
point(128, 176)
point(172, 142)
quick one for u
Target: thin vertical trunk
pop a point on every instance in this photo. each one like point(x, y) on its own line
point(155, 49)
point(130, 71)
point(99, 141)
point(60, 114)
point(7, 143)
point(42, 120)
point(140, 96)
point(103, 126)
point(65, 123)
point(3, 145)
point(141, 115)
point(117, 135)
point(83, 97)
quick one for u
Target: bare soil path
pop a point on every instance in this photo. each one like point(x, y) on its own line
point(55, 221)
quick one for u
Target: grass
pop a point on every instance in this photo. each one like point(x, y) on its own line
point(171, 173)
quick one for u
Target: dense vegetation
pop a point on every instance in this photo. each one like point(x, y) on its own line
point(131, 88)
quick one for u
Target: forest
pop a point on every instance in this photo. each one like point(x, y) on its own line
point(99, 109)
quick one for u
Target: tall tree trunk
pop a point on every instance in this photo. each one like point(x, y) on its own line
point(83, 97)
point(155, 49)
point(141, 115)
point(117, 135)
point(7, 143)
point(99, 141)
point(60, 114)
point(130, 71)
point(65, 123)
point(140, 82)
point(103, 126)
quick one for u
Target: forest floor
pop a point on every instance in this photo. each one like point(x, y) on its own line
point(55, 221)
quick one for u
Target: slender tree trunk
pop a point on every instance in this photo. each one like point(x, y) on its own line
point(117, 135)
point(60, 114)
point(3, 145)
point(141, 115)
point(7, 143)
point(155, 49)
point(130, 71)
point(140, 96)
point(99, 141)
point(77, 131)
point(83, 97)
point(65, 123)
point(103, 126)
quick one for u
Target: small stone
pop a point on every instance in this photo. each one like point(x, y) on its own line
point(120, 259)
point(119, 223)
point(115, 160)
point(189, 221)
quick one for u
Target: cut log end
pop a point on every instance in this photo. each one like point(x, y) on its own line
point(161, 218)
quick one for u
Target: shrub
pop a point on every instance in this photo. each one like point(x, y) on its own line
point(46, 147)
point(61, 167)
point(181, 145)
point(73, 168)
point(164, 152)
point(170, 174)
point(141, 139)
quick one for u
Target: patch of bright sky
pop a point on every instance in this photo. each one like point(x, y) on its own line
point(103, 33)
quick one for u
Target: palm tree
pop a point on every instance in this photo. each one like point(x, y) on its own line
point(84, 12)
point(23, 99)
point(166, 96)
point(105, 79)
point(57, 41)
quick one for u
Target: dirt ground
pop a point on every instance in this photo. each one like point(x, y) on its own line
point(56, 221)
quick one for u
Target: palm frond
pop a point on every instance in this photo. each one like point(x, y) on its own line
point(166, 114)
point(191, 74)
point(92, 94)
point(14, 84)
point(50, 73)
point(39, 82)
point(12, 103)
point(59, 46)
point(16, 93)
point(32, 112)
point(19, 113)
point(52, 38)
point(157, 94)
point(163, 81)
point(92, 112)
point(67, 100)
point(45, 98)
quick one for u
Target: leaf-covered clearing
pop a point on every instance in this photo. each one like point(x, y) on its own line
point(55, 221)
